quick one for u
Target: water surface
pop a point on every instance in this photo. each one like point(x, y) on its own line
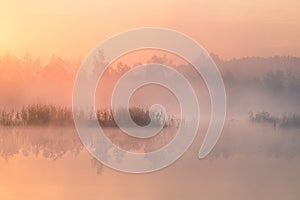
point(250, 161)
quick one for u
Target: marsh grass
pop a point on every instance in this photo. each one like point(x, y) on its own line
point(283, 121)
point(50, 115)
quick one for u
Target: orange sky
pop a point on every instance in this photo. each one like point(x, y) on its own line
point(71, 28)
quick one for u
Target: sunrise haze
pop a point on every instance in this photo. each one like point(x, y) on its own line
point(70, 29)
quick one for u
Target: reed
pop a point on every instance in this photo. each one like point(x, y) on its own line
point(285, 120)
point(50, 115)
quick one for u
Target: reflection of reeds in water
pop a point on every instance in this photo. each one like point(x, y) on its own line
point(43, 115)
point(50, 143)
point(55, 142)
point(238, 139)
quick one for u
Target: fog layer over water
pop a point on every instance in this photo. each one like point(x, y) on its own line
point(250, 161)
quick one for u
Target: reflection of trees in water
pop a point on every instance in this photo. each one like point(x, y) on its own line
point(141, 145)
point(238, 138)
point(55, 142)
point(48, 142)
point(97, 165)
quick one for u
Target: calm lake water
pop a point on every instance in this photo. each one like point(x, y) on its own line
point(250, 161)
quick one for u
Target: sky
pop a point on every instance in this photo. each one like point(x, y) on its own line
point(72, 28)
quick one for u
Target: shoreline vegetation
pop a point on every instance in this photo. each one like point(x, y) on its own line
point(283, 121)
point(50, 115)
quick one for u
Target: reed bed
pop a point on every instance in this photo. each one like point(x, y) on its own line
point(50, 115)
point(284, 121)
